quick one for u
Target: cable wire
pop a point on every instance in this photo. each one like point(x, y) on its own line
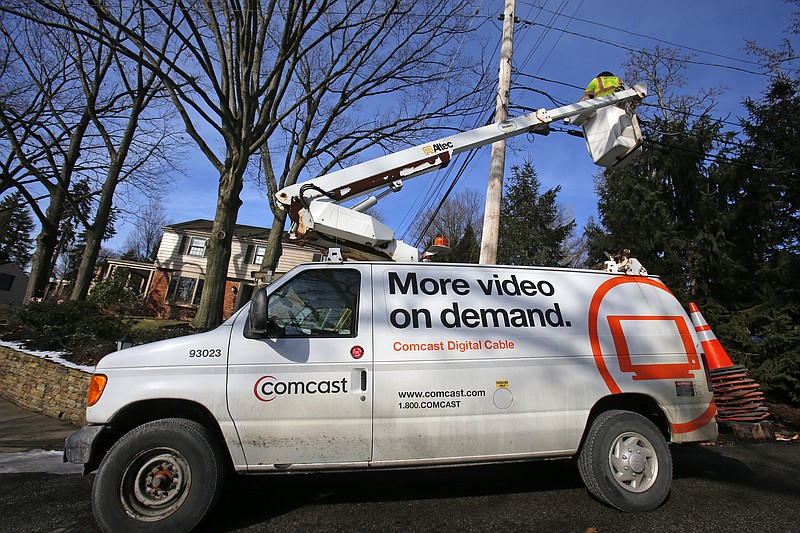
point(631, 49)
point(644, 36)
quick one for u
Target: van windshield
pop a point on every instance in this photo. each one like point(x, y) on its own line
point(316, 303)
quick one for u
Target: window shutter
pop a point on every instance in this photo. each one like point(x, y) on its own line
point(248, 256)
point(184, 245)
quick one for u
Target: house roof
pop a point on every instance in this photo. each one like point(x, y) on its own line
point(13, 268)
point(204, 226)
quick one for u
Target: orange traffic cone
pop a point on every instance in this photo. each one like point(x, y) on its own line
point(716, 356)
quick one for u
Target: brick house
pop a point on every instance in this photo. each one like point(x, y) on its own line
point(173, 284)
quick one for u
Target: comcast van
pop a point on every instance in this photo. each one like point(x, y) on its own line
point(386, 365)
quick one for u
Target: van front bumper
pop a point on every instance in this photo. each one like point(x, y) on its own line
point(80, 447)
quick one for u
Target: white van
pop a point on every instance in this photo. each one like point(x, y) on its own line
point(382, 365)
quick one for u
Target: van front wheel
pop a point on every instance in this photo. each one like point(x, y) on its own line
point(625, 462)
point(161, 476)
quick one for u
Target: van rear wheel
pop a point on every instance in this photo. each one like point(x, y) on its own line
point(161, 476)
point(625, 462)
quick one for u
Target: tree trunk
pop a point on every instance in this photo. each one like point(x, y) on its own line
point(94, 241)
point(218, 248)
point(42, 261)
point(274, 248)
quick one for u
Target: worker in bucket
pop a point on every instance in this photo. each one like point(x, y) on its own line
point(604, 84)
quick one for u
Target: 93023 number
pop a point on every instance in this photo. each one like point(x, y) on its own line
point(210, 352)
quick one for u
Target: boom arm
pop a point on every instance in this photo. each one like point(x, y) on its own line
point(319, 220)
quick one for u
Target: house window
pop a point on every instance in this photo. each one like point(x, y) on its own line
point(197, 246)
point(198, 292)
point(183, 290)
point(6, 281)
point(254, 255)
point(258, 257)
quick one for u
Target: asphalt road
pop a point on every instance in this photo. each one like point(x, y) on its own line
point(729, 488)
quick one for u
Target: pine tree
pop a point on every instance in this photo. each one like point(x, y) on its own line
point(772, 152)
point(530, 232)
point(669, 208)
point(72, 256)
point(721, 229)
point(466, 249)
point(766, 324)
point(16, 228)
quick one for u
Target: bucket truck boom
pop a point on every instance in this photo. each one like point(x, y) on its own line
point(317, 218)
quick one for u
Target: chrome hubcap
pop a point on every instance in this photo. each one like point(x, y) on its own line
point(633, 462)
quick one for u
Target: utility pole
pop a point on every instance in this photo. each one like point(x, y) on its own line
point(494, 191)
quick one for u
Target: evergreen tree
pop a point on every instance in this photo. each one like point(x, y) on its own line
point(75, 215)
point(772, 159)
point(72, 257)
point(765, 325)
point(721, 229)
point(16, 228)
point(669, 208)
point(530, 231)
point(466, 249)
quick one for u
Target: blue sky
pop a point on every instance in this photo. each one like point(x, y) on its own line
point(712, 26)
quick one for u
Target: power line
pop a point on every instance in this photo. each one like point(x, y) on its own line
point(571, 85)
point(435, 212)
point(650, 37)
point(706, 156)
point(643, 104)
point(427, 195)
point(631, 49)
point(550, 52)
point(551, 26)
point(542, 36)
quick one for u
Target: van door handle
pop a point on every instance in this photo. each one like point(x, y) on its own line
point(358, 378)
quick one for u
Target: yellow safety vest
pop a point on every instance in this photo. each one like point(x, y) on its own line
point(602, 86)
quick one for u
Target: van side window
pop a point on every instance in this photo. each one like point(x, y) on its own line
point(316, 303)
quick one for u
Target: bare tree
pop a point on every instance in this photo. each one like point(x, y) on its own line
point(45, 124)
point(573, 248)
point(81, 113)
point(778, 60)
point(302, 79)
point(401, 59)
point(142, 242)
point(663, 70)
point(456, 212)
point(135, 142)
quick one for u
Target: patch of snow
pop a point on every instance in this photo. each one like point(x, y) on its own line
point(56, 357)
point(49, 462)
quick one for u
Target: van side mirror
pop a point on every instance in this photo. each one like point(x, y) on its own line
point(258, 320)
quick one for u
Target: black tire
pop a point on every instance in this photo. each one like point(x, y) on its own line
point(161, 476)
point(625, 462)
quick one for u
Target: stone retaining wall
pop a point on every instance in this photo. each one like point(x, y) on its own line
point(43, 386)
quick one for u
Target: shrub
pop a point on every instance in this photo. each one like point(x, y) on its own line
point(117, 295)
point(780, 377)
point(78, 327)
point(148, 330)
